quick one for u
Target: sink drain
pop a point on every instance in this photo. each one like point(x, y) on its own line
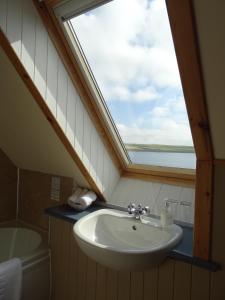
point(134, 227)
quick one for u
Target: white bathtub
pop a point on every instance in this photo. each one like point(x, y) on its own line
point(28, 245)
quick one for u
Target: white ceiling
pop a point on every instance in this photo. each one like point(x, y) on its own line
point(25, 134)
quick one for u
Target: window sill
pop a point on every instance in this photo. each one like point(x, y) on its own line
point(182, 252)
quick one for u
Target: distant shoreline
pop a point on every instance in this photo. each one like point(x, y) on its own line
point(159, 148)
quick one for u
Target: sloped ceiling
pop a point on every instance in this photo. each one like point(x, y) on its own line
point(210, 21)
point(25, 134)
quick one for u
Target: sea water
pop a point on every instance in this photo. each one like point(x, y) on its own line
point(165, 159)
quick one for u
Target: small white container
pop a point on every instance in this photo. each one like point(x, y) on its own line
point(166, 216)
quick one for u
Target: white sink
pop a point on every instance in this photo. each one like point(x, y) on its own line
point(117, 240)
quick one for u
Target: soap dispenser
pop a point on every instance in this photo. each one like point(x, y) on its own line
point(166, 216)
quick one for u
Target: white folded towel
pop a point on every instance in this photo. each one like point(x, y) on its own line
point(81, 199)
point(10, 279)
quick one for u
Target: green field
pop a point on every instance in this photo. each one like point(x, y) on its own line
point(159, 148)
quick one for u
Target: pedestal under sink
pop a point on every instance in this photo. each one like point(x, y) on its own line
point(117, 240)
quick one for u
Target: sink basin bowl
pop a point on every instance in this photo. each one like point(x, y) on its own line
point(117, 240)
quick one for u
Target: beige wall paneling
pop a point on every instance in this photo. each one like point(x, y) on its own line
point(94, 154)
point(79, 127)
point(101, 283)
point(8, 187)
point(41, 58)
point(3, 15)
point(200, 284)
point(60, 242)
point(218, 233)
point(124, 285)
point(73, 265)
point(151, 284)
point(52, 76)
point(165, 280)
point(136, 286)
point(28, 37)
point(14, 24)
point(107, 176)
point(44, 66)
point(91, 279)
point(100, 165)
point(71, 113)
point(112, 284)
point(182, 281)
point(82, 275)
point(62, 92)
point(87, 141)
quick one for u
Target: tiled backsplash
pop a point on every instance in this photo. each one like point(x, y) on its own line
point(35, 192)
point(35, 196)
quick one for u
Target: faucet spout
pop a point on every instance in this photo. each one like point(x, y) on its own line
point(137, 211)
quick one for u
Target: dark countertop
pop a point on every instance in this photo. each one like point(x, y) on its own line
point(183, 251)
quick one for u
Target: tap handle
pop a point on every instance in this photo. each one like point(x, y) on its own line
point(146, 210)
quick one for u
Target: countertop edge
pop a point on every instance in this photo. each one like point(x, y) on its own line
point(68, 214)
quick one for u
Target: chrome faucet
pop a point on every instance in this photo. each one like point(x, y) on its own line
point(137, 211)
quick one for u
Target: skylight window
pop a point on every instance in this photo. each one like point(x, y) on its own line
point(129, 48)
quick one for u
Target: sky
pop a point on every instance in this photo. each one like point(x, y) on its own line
point(129, 47)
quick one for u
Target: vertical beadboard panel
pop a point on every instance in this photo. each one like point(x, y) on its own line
point(94, 153)
point(61, 112)
point(182, 281)
point(100, 165)
point(150, 284)
point(105, 178)
point(28, 37)
point(101, 283)
point(3, 15)
point(82, 272)
point(137, 291)
point(60, 245)
point(217, 285)
point(71, 113)
point(165, 280)
point(200, 284)
point(14, 24)
point(112, 284)
point(73, 267)
point(32, 44)
point(52, 77)
point(124, 285)
point(87, 140)
point(41, 47)
point(79, 128)
point(91, 279)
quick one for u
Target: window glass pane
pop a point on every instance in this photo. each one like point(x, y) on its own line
point(129, 47)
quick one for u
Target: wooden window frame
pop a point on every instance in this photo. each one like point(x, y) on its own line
point(79, 75)
point(183, 27)
point(182, 21)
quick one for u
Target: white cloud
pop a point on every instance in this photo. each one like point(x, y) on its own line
point(163, 124)
point(169, 133)
point(123, 93)
point(132, 48)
